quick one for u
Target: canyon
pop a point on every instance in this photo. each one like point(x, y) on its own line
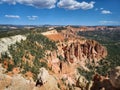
point(73, 53)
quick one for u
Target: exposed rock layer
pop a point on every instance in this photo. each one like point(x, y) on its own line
point(5, 42)
point(84, 50)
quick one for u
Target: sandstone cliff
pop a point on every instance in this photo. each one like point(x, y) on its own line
point(82, 50)
point(76, 52)
point(72, 52)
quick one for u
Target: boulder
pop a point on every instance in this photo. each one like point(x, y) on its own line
point(43, 76)
point(48, 81)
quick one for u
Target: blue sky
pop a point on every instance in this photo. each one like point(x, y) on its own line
point(60, 12)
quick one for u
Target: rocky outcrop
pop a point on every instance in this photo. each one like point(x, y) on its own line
point(20, 83)
point(5, 42)
point(84, 50)
point(51, 84)
point(70, 55)
point(15, 82)
point(43, 76)
point(77, 52)
point(47, 81)
point(62, 65)
point(115, 77)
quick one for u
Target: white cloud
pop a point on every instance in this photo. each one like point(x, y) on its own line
point(106, 12)
point(12, 16)
point(32, 17)
point(109, 22)
point(67, 4)
point(73, 4)
point(100, 9)
point(35, 3)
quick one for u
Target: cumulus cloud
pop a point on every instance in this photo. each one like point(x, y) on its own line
point(106, 12)
point(73, 4)
point(35, 3)
point(108, 22)
point(32, 17)
point(12, 16)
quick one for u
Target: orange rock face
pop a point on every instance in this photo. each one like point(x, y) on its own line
point(88, 49)
point(56, 37)
point(73, 49)
point(72, 53)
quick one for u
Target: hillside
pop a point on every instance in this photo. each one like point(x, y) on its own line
point(53, 35)
point(55, 60)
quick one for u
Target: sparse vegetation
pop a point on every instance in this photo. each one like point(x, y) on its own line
point(111, 40)
point(88, 74)
point(29, 54)
point(34, 46)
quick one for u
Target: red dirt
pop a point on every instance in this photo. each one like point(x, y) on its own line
point(56, 37)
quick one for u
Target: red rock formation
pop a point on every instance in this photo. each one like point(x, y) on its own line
point(88, 49)
point(55, 37)
point(72, 53)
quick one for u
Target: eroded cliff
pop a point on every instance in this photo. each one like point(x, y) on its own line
point(72, 52)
